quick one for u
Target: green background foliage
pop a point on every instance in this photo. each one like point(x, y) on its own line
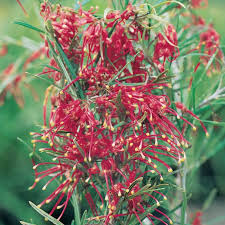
point(16, 173)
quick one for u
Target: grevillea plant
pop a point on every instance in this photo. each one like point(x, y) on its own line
point(118, 115)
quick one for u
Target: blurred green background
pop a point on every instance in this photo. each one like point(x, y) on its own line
point(16, 173)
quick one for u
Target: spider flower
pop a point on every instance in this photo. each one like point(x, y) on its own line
point(132, 129)
point(123, 130)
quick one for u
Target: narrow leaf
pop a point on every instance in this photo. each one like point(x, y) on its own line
point(27, 25)
point(70, 68)
point(216, 123)
point(183, 208)
point(76, 209)
point(209, 200)
point(45, 215)
point(84, 217)
point(51, 67)
point(132, 59)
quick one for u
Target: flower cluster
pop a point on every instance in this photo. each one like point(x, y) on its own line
point(111, 128)
point(209, 44)
point(166, 47)
point(12, 80)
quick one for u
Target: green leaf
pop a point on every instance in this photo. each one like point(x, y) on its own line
point(206, 69)
point(135, 182)
point(61, 65)
point(76, 208)
point(211, 61)
point(27, 25)
point(84, 217)
point(126, 3)
point(183, 208)
point(120, 124)
point(65, 60)
point(45, 215)
point(128, 77)
point(132, 59)
point(214, 123)
point(70, 68)
point(32, 153)
point(209, 200)
point(143, 190)
point(129, 66)
point(168, 8)
point(51, 67)
point(172, 5)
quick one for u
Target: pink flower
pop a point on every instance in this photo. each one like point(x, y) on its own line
point(199, 3)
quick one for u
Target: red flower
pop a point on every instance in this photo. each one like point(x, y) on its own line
point(13, 81)
point(210, 44)
point(78, 141)
point(121, 130)
point(199, 3)
point(197, 218)
point(166, 47)
point(4, 50)
point(65, 24)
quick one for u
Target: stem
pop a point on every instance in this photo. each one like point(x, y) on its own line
point(184, 204)
point(216, 95)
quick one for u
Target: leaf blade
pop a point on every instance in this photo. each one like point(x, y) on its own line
point(27, 25)
point(46, 215)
